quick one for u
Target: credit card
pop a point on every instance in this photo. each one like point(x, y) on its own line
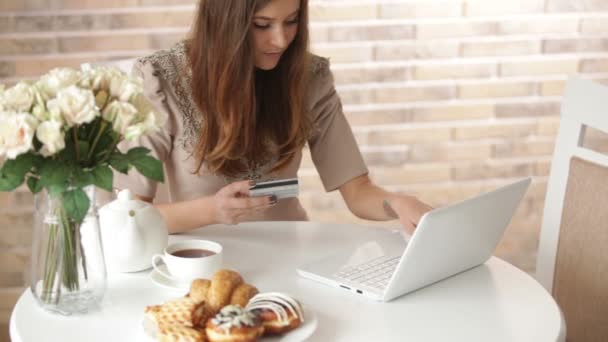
point(282, 188)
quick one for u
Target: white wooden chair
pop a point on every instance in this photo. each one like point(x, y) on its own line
point(572, 261)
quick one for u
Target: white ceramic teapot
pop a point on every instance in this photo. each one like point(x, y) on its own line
point(132, 231)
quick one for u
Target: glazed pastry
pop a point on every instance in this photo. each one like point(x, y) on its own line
point(181, 311)
point(242, 294)
point(199, 289)
point(179, 333)
point(234, 324)
point(223, 283)
point(278, 312)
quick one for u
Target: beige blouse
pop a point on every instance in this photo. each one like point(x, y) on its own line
point(333, 148)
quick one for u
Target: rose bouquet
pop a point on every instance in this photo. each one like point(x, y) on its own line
point(59, 135)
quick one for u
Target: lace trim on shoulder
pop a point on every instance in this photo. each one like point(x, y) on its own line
point(319, 65)
point(172, 65)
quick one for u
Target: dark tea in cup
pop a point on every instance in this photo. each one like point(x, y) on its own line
point(193, 253)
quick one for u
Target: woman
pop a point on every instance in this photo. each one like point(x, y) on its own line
point(243, 96)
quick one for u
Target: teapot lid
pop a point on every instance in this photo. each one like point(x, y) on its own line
point(125, 202)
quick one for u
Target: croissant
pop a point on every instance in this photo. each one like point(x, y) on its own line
point(199, 289)
point(242, 294)
point(223, 283)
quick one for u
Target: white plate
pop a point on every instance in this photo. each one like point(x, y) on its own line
point(165, 282)
point(299, 334)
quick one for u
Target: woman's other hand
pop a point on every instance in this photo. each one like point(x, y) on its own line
point(232, 203)
point(408, 209)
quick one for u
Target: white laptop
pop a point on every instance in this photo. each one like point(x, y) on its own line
point(448, 241)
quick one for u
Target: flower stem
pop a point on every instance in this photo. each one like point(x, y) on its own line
point(76, 145)
point(50, 264)
point(70, 271)
point(95, 125)
point(110, 150)
point(82, 253)
point(104, 124)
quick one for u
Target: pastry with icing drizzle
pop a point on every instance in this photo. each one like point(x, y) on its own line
point(278, 312)
point(234, 324)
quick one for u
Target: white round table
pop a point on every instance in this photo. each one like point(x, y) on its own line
point(493, 302)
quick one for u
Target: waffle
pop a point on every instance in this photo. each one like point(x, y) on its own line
point(179, 333)
point(182, 311)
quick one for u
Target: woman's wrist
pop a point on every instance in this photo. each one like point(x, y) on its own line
point(208, 212)
point(188, 215)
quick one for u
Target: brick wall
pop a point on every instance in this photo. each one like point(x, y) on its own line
point(447, 98)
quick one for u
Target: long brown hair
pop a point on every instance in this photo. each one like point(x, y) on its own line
point(248, 114)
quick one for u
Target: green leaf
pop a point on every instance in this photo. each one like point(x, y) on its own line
point(57, 189)
point(119, 162)
point(34, 185)
point(82, 178)
point(76, 204)
point(149, 167)
point(38, 161)
point(12, 173)
point(19, 166)
point(137, 152)
point(9, 182)
point(103, 177)
point(54, 172)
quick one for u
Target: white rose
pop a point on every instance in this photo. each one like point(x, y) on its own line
point(136, 130)
point(148, 120)
point(16, 133)
point(144, 106)
point(98, 78)
point(77, 105)
point(56, 80)
point(54, 111)
point(121, 114)
point(51, 136)
point(18, 98)
point(124, 88)
point(39, 108)
point(40, 113)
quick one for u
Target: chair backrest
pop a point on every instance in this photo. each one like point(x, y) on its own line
point(572, 261)
point(126, 65)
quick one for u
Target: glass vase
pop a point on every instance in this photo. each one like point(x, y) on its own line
point(68, 273)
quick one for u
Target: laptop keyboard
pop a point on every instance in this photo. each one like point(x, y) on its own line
point(374, 273)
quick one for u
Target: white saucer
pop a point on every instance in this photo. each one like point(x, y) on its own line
point(299, 334)
point(165, 282)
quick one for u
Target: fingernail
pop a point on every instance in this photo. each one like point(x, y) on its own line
point(273, 199)
point(251, 183)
